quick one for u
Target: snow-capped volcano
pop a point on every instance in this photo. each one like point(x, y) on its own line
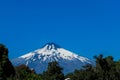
point(39, 59)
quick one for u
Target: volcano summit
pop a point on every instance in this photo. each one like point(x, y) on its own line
point(39, 59)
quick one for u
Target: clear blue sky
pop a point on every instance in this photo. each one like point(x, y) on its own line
point(86, 27)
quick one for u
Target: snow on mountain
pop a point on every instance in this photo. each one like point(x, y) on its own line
point(39, 59)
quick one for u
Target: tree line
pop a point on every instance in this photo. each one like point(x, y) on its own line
point(105, 68)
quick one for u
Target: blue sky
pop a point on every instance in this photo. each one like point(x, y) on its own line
point(86, 27)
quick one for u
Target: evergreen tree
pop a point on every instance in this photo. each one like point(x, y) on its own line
point(6, 68)
point(54, 72)
point(86, 73)
point(105, 69)
point(25, 73)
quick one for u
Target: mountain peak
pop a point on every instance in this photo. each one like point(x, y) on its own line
point(51, 45)
point(40, 58)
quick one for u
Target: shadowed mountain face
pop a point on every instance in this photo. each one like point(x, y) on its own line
point(51, 46)
point(39, 59)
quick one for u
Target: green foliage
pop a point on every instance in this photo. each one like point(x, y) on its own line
point(6, 68)
point(87, 73)
point(105, 69)
point(24, 73)
point(54, 72)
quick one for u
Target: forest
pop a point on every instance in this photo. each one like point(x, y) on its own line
point(105, 68)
